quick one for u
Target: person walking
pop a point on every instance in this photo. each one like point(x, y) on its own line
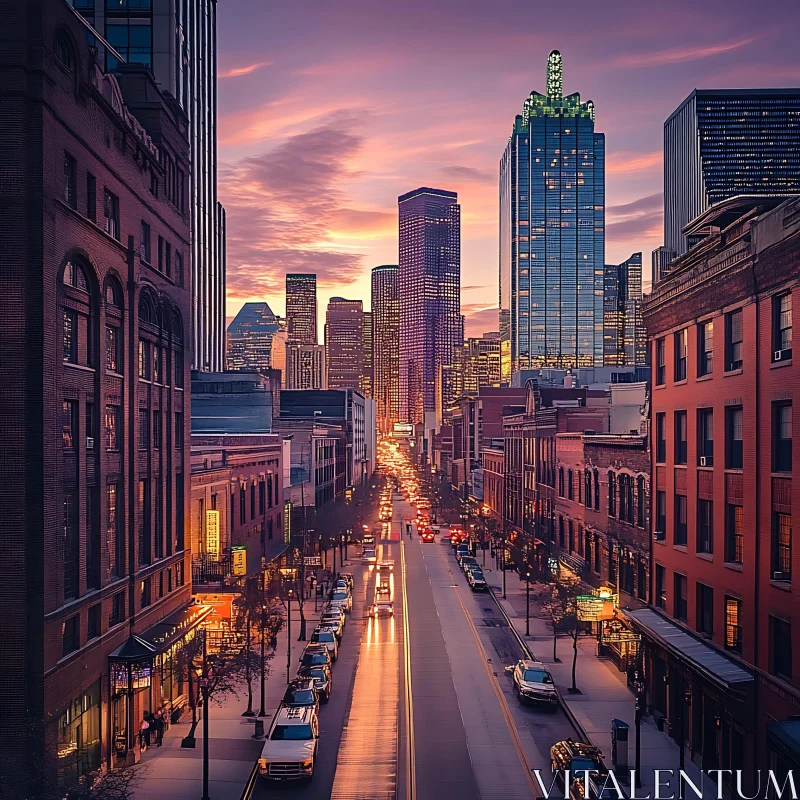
point(144, 733)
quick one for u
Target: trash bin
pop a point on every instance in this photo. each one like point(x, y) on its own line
point(619, 743)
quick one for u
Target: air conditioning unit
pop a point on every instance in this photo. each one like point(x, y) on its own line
point(777, 355)
point(659, 536)
point(780, 576)
point(702, 461)
point(90, 442)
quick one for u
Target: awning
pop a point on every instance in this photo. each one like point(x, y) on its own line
point(685, 647)
point(175, 626)
point(784, 738)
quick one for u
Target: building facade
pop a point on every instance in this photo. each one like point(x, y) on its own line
point(96, 410)
point(723, 574)
point(344, 343)
point(552, 233)
point(368, 349)
point(305, 366)
point(301, 308)
point(250, 337)
point(720, 143)
point(624, 334)
point(429, 288)
point(386, 344)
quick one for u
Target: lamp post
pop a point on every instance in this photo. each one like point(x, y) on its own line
point(204, 687)
point(288, 633)
point(261, 589)
point(503, 560)
point(527, 593)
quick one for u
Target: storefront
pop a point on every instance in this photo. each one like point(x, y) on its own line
point(79, 736)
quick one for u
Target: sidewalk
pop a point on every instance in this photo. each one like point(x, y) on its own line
point(604, 692)
point(177, 773)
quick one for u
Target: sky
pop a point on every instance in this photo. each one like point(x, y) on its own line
point(330, 110)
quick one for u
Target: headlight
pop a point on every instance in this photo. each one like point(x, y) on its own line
point(262, 763)
point(308, 764)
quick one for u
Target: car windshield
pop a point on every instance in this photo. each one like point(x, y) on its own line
point(477, 575)
point(302, 697)
point(583, 764)
point(319, 675)
point(467, 560)
point(536, 676)
point(315, 658)
point(281, 733)
point(340, 595)
point(322, 637)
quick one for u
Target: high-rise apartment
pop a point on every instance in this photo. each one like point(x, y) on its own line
point(429, 287)
point(625, 337)
point(386, 343)
point(301, 308)
point(250, 338)
point(368, 350)
point(720, 143)
point(176, 40)
point(552, 233)
point(344, 343)
point(305, 366)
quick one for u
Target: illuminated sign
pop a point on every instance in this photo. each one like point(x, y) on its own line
point(592, 608)
point(239, 558)
point(212, 532)
point(287, 521)
point(402, 429)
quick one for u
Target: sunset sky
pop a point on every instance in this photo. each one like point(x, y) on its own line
point(329, 110)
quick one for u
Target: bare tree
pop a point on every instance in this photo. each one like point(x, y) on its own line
point(560, 609)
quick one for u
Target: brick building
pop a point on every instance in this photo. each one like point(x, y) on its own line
point(96, 334)
point(722, 637)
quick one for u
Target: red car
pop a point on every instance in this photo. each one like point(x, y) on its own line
point(428, 535)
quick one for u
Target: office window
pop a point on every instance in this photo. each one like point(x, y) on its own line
point(91, 197)
point(117, 613)
point(782, 327)
point(113, 427)
point(681, 442)
point(734, 336)
point(734, 534)
point(641, 580)
point(252, 501)
point(562, 541)
point(781, 547)
point(680, 344)
point(612, 494)
point(661, 438)
point(156, 430)
point(612, 565)
point(113, 363)
point(680, 534)
point(178, 268)
point(734, 437)
point(661, 587)
point(705, 348)
point(679, 605)
point(780, 648)
point(144, 433)
point(70, 181)
point(69, 424)
point(597, 555)
point(705, 437)
point(70, 635)
point(661, 362)
point(70, 349)
point(144, 242)
point(705, 526)
point(733, 626)
point(705, 609)
point(782, 437)
point(111, 214)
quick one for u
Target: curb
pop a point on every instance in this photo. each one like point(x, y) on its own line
point(573, 720)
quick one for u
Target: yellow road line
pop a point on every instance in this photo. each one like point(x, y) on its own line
point(501, 698)
point(411, 765)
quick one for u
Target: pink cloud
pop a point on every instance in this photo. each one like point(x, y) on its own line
point(237, 72)
point(617, 163)
point(680, 54)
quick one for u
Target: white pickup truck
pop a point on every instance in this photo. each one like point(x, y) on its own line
point(290, 751)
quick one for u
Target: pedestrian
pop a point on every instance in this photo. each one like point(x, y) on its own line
point(159, 723)
point(144, 733)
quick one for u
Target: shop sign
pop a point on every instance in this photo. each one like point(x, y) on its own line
point(615, 631)
point(239, 558)
point(592, 608)
point(212, 532)
point(312, 561)
point(287, 521)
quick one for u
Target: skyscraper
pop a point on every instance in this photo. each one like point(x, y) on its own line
point(344, 343)
point(176, 40)
point(429, 286)
point(720, 143)
point(625, 337)
point(552, 233)
point(305, 366)
point(386, 344)
point(301, 308)
point(368, 351)
point(250, 338)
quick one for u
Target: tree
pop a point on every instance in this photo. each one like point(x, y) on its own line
point(561, 611)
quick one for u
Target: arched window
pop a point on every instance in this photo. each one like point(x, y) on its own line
point(596, 490)
point(113, 293)
point(63, 50)
point(78, 334)
point(75, 276)
point(612, 494)
point(561, 481)
point(641, 499)
point(177, 327)
point(587, 494)
point(146, 311)
point(570, 485)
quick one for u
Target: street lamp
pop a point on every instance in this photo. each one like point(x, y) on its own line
point(638, 687)
point(204, 687)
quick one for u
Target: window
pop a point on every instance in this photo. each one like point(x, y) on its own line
point(144, 433)
point(733, 628)
point(626, 498)
point(117, 614)
point(705, 437)
point(734, 435)
point(641, 501)
point(661, 362)
point(144, 242)
point(782, 327)
point(178, 368)
point(143, 509)
point(612, 565)
point(113, 363)
point(115, 545)
point(70, 336)
point(71, 545)
point(596, 490)
point(781, 547)
point(641, 580)
point(561, 536)
point(178, 268)
point(661, 438)
point(93, 626)
point(612, 494)
point(680, 344)
point(661, 587)
point(178, 430)
point(242, 505)
point(705, 609)
point(596, 555)
point(113, 427)
point(144, 360)
point(679, 607)
point(680, 534)
point(156, 363)
point(69, 424)
point(587, 491)
point(661, 516)
point(91, 197)
point(91, 426)
point(63, 51)
point(262, 496)
point(680, 437)
point(70, 635)
point(561, 481)
point(570, 485)
point(734, 335)
point(705, 526)
point(734, 534)
point(145, 593)
point(113, 294)
point(111, 214)
point(70, 181)
point(252, 501)
point(780, 648)
point(92, 552)
point(782, 437)
point(705, 348)
point(156, 430)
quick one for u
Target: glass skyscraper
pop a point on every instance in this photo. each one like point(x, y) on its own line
point(301, 308)
point(429, 286)
point(249, 344)
point(344, 343)
point(625, 337)
point(552, 233)
point(386, 343)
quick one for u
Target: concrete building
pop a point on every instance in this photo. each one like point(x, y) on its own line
point(301, 308)
point(305, 366)
point(344, 343)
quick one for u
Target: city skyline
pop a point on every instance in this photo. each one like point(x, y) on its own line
point(382, 128)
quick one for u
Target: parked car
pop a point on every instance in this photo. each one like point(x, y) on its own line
point(466, 562)
point(382, 608)
point(461, 551)
point(323, 680)
point(477, 581)
point(348, 577)
point(301, 692)
point(334, 625)
point(577, 757)
point(290, 750)
point(343, 599)
point(341, 586)
point(368, 556)
point(315, 656)
point(331, 614)
point(327, 637)
point(533, 682)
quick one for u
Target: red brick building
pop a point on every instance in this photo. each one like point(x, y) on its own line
point(725, 634)
point(95, 419)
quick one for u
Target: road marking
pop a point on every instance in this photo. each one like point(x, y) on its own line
point(411, 766)
point(512, 729)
